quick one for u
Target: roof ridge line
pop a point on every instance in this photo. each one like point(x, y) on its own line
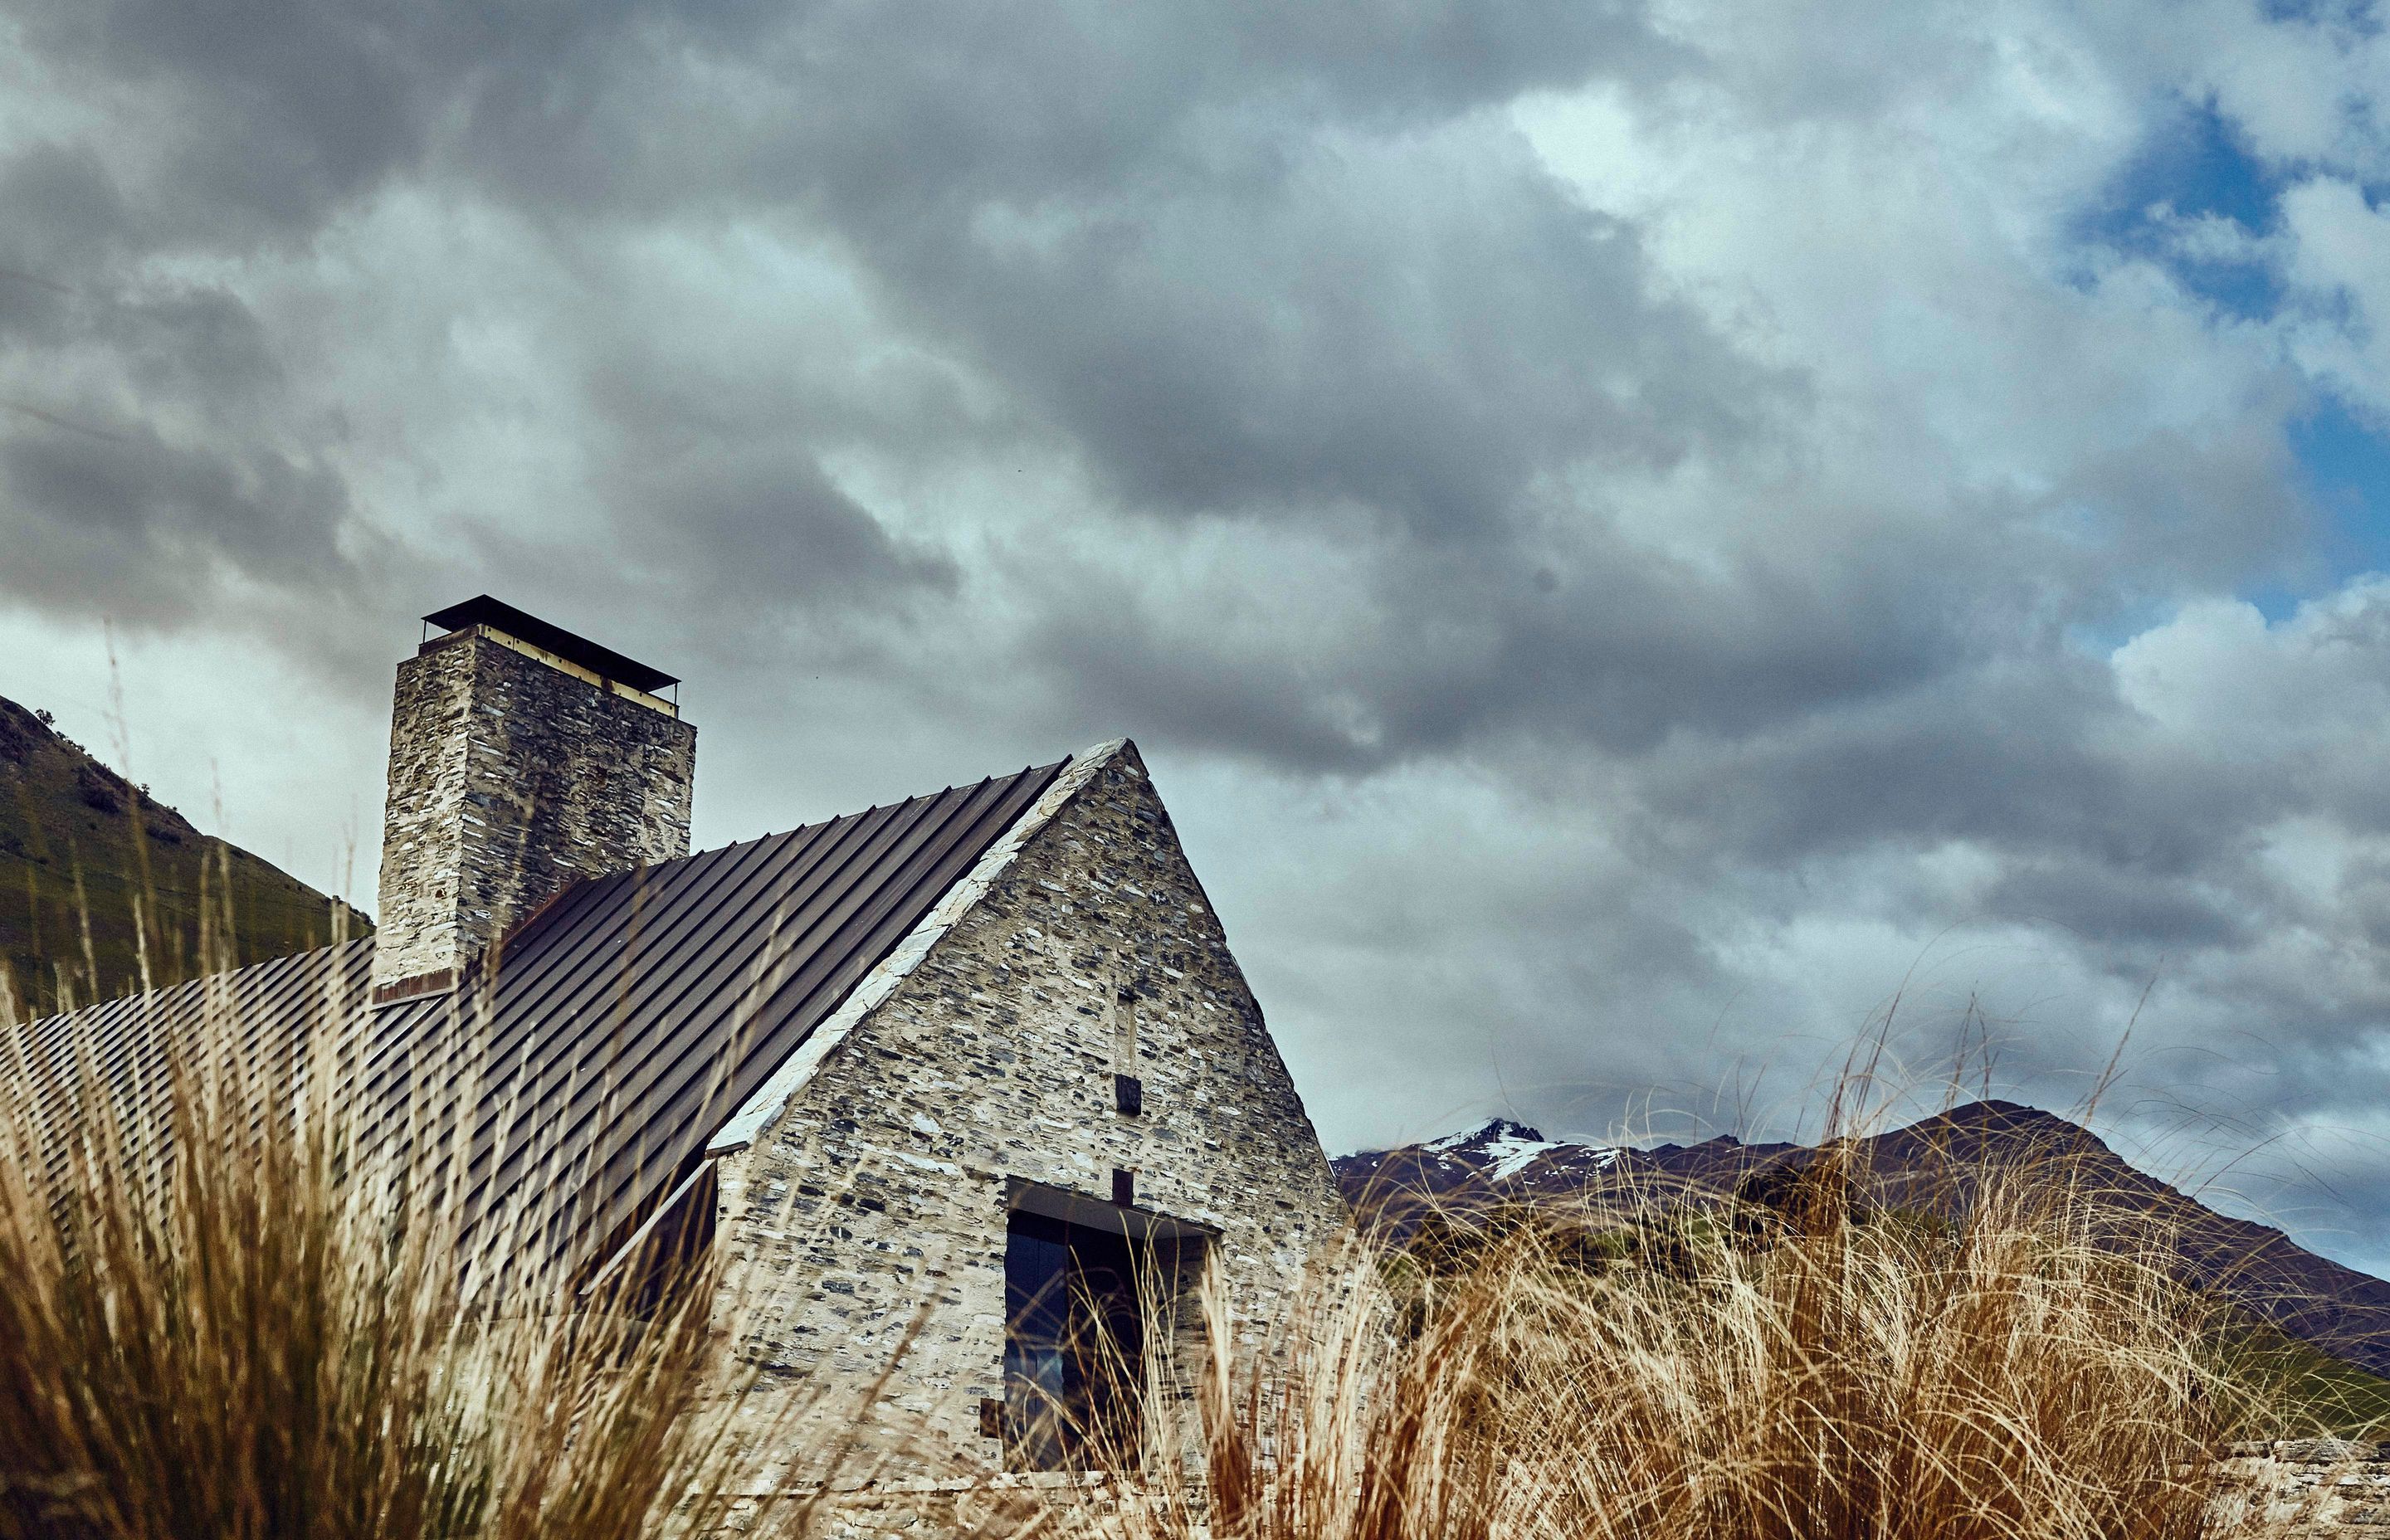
point(762, 1108)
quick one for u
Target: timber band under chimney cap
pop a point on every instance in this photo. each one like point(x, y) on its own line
point(498, 615)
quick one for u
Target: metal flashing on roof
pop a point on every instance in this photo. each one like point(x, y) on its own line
point(764, 1105)
point(413, 985)
point(481, 610)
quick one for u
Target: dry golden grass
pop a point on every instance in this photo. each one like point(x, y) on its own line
point(262, 1334)
point(260, 1337)
point(2008, 1375)
point(255, 1337)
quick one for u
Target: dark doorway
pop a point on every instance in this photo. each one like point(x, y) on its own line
point(1074, 1345)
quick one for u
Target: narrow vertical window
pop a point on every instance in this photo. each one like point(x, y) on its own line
point(1123, 1031)
point(1128, 1087)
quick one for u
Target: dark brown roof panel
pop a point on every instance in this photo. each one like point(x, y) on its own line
point(274, 1016)
point(623, 1024)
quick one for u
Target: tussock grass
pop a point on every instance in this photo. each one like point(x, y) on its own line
point(2012, 1373)
point(251, 1329)
point(245, 1338)
point(225, 1313)
point(244, 1321)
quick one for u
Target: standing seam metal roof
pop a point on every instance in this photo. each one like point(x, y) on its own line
point(280, 1006)
point(578, 1079)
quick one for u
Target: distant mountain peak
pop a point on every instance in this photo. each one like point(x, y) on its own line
point(1994, 1121)
point(1502, 1149)
point(1491, 1131)
point(1996, 1110)
point(1922, 1164)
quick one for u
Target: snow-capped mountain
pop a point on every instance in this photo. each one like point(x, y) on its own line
point(1498, 1151)
point(1929, 1163)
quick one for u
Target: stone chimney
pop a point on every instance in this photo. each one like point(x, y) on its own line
point(521, 757)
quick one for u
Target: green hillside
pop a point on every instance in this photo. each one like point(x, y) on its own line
point(84, 849)
point(2309, 1391)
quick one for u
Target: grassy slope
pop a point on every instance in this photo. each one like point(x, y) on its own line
point(65, 817)
point(2313, 1391)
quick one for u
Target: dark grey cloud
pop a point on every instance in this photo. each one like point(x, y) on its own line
point(65, 224)
point(125, 523)
point(147, 467)
point(1149, 327)
point(1300, 349)
point(2211, 507)
point(285, 110)
point(801, 540)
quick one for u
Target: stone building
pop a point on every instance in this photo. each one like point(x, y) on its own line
point(979, 1058)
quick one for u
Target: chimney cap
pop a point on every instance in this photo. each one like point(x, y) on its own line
point(481, 610)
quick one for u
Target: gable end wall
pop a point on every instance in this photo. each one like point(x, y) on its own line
point(882, 1185)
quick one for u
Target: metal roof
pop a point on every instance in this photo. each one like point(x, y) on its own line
point(268, 1022)
point(481, 610)
point(621, 1024)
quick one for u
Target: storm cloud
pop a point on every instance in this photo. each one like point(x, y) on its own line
point(1632, 534)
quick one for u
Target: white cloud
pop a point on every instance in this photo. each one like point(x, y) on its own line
point(1625, 534)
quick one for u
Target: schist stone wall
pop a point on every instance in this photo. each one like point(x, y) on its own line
point(508, 778)
point(2296, 1488)
point(882, 1185)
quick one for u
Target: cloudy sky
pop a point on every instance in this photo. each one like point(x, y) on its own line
point(1629, 534)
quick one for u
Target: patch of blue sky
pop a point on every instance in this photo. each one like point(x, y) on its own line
point(2196, 204)
point(2348, 464)
point(2345, 465)
point(2193, 171)
point(2362, 16)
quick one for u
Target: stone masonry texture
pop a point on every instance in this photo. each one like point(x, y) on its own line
point(875, 1206)
point(2299, 1488)
point(2284, 1489)
point(509, 778)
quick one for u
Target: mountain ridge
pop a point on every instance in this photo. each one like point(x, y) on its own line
point(1929, 1163)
